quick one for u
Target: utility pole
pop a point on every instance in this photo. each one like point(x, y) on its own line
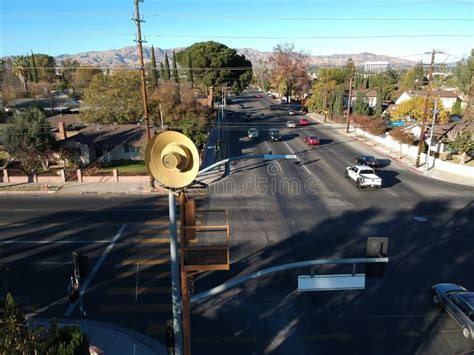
point(139, 41)
point(427, 104)
point(431, 135)
point(349, 104)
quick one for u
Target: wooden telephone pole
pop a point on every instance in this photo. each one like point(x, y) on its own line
point(139, 41)
point(349, 104)
point(421, 142)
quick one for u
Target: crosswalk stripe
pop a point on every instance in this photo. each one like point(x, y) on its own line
point(141, 290)
point(135, 308)
point(156, 261)
point(153, 241)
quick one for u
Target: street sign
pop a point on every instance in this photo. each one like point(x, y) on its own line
point(396, 124)
point(331, 282)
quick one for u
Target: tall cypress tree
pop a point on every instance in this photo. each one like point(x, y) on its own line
point(167, 68)
point(175, 68)
point(190, 71)
point(34, 70)
point(378, 104)
point(162, 70)
point(154, 70)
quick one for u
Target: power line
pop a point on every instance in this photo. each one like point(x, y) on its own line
point(114, 34)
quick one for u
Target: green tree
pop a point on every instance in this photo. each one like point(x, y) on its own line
point(190, 70)
point(162, 71)
point(175, 68)
point(82, 77)
point(456, 109)
point(29, 140)
point(21, 68)
point(378, 104)
point(463, 143)
point(46, 67)
point(361, 105)
point(464, 78)
point(413, 78)
point(68, 68)
point(167, 68)
point(34, 71)
point(154, 74)
point(338, 106)
point(207, 56)
point(114, 98)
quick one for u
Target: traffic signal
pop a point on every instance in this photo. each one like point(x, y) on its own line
point(81, 265)
point(73, 291)
point(377, 247)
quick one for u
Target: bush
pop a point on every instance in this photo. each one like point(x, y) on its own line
point(375, 126)
point(402, 136)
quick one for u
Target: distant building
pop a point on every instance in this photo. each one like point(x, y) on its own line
point(376, 67)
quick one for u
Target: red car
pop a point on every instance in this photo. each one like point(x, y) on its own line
point(303, 122)
point(311, 140)
point(258, 96)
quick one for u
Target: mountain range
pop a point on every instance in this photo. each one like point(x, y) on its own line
point(128, 56)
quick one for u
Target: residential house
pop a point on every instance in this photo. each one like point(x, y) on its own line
point(57, 103)
point(447, 98)
point(370, 94)
point(104, 142)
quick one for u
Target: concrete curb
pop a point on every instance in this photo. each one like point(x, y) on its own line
point(153, 346)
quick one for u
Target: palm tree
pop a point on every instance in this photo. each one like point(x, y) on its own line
point(21, 68)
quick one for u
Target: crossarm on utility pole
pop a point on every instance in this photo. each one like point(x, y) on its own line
point(297, 265)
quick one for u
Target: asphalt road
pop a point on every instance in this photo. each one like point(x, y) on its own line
point(280, 212)
point(285, 211)
point(126, 239)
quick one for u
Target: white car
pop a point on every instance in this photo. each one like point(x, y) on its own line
point(363, 176)
point(290, 124)
point(252, 133)
point(291, 112)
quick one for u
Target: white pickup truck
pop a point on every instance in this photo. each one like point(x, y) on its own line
point(363, 176)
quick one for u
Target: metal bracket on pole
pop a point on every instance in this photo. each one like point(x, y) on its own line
point(300, 264)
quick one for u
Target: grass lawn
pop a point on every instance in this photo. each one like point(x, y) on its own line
point(124, 167)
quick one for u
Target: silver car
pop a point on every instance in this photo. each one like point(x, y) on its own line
point(459, 303)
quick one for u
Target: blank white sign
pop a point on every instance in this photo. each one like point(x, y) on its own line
point(331, 282)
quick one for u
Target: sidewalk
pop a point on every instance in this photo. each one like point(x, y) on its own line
point(406, 161)
point(75, 188)
point(112, 339)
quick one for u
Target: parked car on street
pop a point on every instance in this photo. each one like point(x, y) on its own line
point(363, 176)
point(368, 160)
point(459, 303)
point(303, 122)
point(275, 135)
point(311, 140)
point(290, 124)
point(252, 133)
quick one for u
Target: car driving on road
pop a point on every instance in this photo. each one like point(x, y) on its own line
point(252, 133)
point(290, 124)
point(291, 112)
point(303, 122)
point(312, 140)
point(363, 176)
point(368, 160)
point(274, 134)
point(459, 303)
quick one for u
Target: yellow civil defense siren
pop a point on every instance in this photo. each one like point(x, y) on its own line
point(172, 159)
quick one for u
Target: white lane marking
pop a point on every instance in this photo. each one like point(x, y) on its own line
point(96, 268)
point(276, 161)
point(299, 161)
point(53, 241)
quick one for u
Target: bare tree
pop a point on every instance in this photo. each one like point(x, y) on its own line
point(289, 72)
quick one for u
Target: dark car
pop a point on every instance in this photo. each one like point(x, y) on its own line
point(275, 135)
point(248, 117)
point(368, 160)
point(459, 303)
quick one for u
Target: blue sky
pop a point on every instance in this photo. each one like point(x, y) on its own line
point(57, 27)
